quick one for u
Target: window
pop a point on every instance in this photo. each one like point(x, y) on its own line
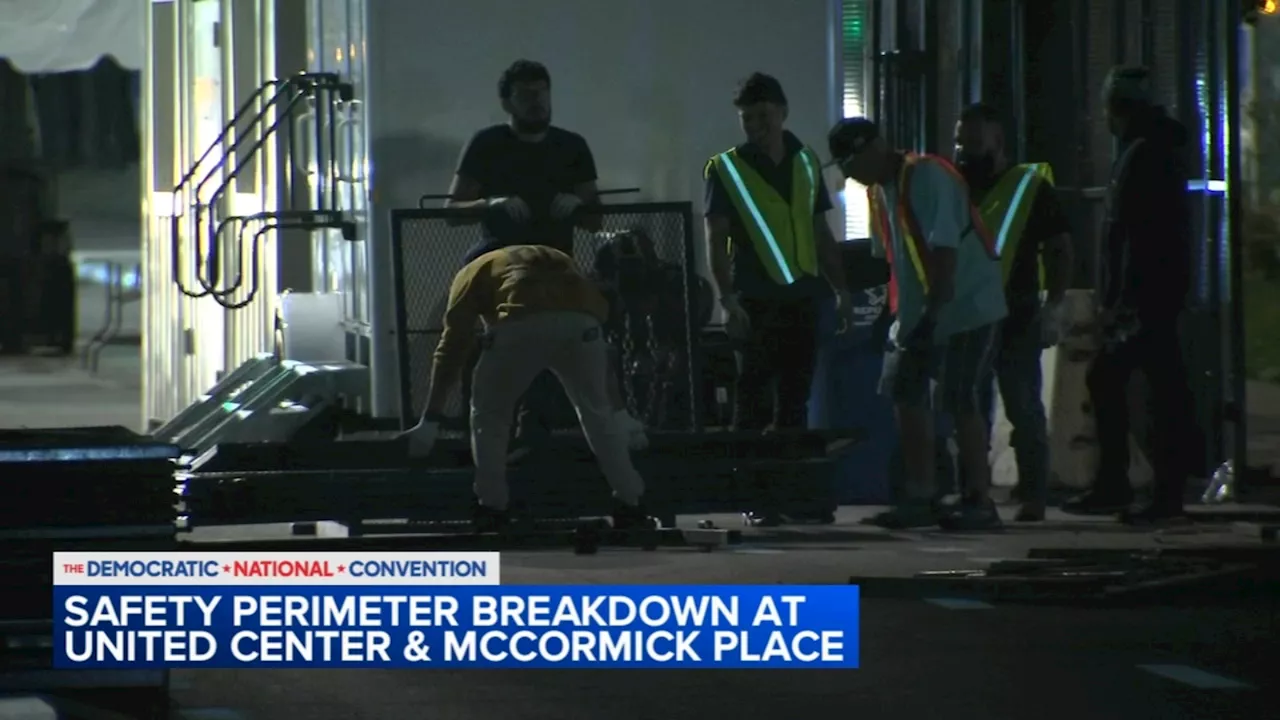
point(854, 37)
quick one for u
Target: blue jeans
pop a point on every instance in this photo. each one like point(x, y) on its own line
point(1016, 372)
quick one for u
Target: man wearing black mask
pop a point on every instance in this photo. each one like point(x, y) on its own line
point(1021, 209)
point(1146, 262)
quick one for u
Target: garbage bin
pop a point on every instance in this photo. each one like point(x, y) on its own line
point(845, 395)
point(845, 390)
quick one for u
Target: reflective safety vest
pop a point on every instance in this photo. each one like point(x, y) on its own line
point(1006, 207)
point(780, 229)
point(914, 238)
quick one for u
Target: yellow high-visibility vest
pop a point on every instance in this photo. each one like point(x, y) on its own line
point(1006, 207)
point(780, 229)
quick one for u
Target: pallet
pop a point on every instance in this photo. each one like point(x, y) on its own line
point(687, 475)
point(584, 537)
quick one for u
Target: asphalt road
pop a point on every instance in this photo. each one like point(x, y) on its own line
point(920, 661)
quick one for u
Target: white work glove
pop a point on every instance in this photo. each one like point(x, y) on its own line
point(738, 323)
point(422, 438)
point(1053, 323)
point(564, 206)
point(513, 206)
point(844, 312)
point(637, 439)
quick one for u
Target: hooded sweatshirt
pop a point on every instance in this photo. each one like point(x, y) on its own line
point(1146, 254)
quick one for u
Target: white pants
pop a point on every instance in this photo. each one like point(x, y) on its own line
point(572, 346)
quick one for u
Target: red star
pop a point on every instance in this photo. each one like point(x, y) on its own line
point(226, 568)
point(342, 568)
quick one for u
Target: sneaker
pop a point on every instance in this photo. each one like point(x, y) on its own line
point(1153, 514)
point(973, 515)
point(764, 519)
point(906, 517)
point(631, 517)
point(1030, 512)
point(488, 520)
point(1098, 503)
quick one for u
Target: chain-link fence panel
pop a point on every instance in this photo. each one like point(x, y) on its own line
point(643, 261)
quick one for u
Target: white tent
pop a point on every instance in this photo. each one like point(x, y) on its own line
point(47, 36)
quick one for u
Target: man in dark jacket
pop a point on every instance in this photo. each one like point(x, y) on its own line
point(1146, 263)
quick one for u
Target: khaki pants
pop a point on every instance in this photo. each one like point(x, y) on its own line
point(570, 345)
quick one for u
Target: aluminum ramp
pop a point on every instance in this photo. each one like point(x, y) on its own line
point(210, 404)
point(278, 404)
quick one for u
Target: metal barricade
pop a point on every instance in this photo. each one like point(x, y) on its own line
point(643, 258)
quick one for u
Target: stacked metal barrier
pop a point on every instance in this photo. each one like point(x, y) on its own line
point(82, 489)
point(644, 260)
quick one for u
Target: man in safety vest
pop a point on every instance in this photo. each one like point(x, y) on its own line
point(949, 301)
point(1020, 208)
point(769, 247)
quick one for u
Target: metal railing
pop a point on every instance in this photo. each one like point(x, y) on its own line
point(119, 293)
point(277, 106)
point(644, 260)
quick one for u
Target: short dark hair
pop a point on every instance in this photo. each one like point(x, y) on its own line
point(522, 71)
point(981, 112)
point(759, 88)
point(54, 228)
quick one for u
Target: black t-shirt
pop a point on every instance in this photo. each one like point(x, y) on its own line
point(749, 275)
point(504, 165)
point(1046, 221)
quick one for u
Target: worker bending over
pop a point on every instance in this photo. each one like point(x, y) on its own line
point(1032, 237)
point(539, 314)
point(769, 247)
point(531, 180)
point(947, 296)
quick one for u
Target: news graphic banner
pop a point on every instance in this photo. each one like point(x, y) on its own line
point(427, 610)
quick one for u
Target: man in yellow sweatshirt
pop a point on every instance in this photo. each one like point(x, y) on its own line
point(539, 313)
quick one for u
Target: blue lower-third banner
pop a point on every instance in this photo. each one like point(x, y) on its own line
point(298, 626)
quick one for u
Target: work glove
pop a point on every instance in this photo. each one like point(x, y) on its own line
point(920, 339)
point(844, 312)
point(637, 439)
point(1053, 323)
point(564, 205)
point(514, 207)
point(422, 438)
point(738, 323)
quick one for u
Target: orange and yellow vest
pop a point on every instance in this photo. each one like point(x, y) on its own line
point(914, 239)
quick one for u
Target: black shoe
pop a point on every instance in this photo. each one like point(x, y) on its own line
point(1030, 511)
point(488, 520)
point(1098, 503)
point(1154, 514)
point(972, 515)
point(631, 517)
point(908, 516)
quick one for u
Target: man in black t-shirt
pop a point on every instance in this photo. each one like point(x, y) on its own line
point(1033, 323)
point(534, 179)
point(532, 175)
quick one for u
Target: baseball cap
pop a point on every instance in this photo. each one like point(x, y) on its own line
point(850, 136)
point(1127, 82)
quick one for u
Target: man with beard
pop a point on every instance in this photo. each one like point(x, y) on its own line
point(1146, 259)
point(528, 182)
point(1019, 206)
point(947, 296)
